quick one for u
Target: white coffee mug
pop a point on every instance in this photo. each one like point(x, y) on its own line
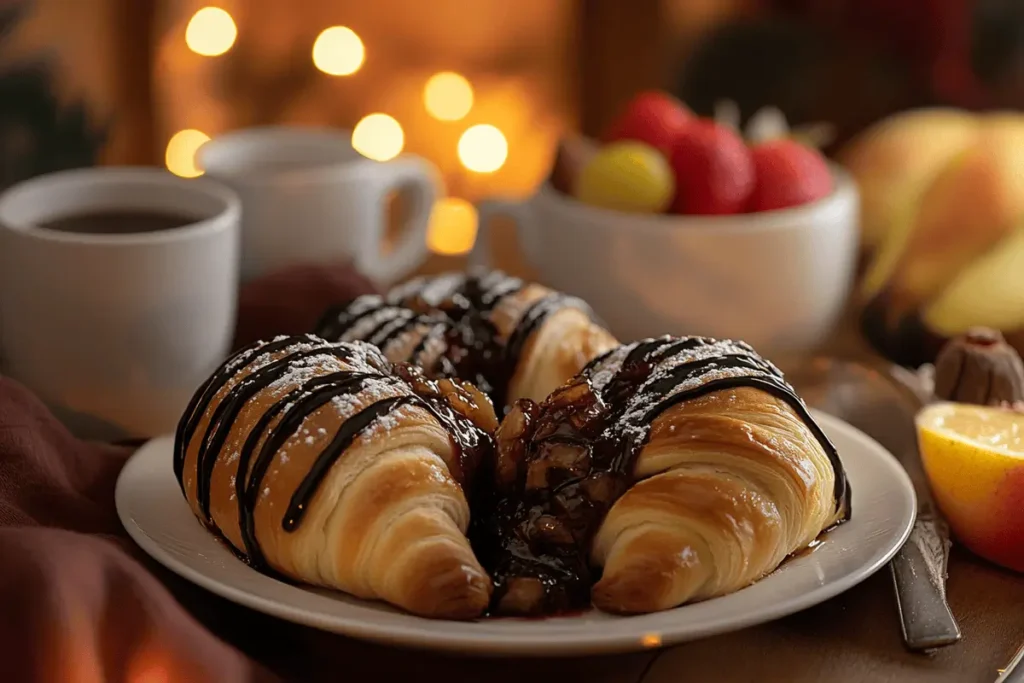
point(778, 279)
point(116, 331)
point(309, 197)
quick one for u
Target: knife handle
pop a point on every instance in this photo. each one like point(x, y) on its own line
point(919, 572)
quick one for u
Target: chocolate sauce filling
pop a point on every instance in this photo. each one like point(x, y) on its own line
point(576, 456)
point(282, 419)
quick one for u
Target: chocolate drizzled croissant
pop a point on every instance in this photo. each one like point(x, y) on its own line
point(510, 338)
point(659, 450)
point(323, 462)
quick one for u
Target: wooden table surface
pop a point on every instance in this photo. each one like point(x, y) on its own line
point(853, 638)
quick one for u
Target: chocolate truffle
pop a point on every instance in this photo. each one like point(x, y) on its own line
point(979, 367)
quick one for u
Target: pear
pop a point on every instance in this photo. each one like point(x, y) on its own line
point(894, 160)
point(987, 293)
point(932, 275)
point(975, 202)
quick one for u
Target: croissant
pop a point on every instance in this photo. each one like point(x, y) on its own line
point(669, 470)
point(323, 463)
point(510, 338)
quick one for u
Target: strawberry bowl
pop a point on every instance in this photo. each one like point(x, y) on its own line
point(672, 223)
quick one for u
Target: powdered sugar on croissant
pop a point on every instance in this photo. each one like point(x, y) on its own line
point(323, 463)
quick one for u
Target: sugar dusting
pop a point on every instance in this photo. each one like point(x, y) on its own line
point(713, 357)
point(433, 346)
point(607, 368)
point(387, 423)
point(389, 331)
point(432, 290)
point(295, 382)
point(376, 386)
point(363, 304)
point(373, 322)
point(496, 284)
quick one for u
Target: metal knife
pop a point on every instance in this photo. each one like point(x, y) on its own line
point(1013, 672)
point(881, 401)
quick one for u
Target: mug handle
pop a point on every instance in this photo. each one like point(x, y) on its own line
point(480, 255)
point(416, 178)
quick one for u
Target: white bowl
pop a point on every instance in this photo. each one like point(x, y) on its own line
point(777, 279)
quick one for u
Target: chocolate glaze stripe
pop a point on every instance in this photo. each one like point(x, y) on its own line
point(249, 481)
point(660, 389)
point(647, 352)
point(438, 330)
point(492, 293)
point(338, 320)
point(841, 489)
point(294, 416)
point(600, 359)
point(294, 408)
point(654, 350)
point(480, 291)
point(428, 291)
point(349, 429)
point(201, 399)
point(533, 318)
point(375, 335)
point(641, 383)
point(337, 323)
point(459, 322)
point(231, 405)
point(403, 321)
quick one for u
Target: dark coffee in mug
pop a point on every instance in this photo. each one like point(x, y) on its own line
point(118, 222)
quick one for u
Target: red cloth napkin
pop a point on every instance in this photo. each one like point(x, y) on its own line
point(78, 601)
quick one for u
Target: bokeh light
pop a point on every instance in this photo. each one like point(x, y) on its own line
point(181, 152)
point(210, 32)
point(378, 136)
point(483, 148)
point(453, 225)
point(448, 96)
point(338, 51)
point(651, 640)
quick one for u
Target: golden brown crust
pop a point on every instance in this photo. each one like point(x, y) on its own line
point(388, 521)
point(556, 352)
point(732, 483)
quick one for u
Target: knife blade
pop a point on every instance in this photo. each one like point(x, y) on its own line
point(1013, 672)
point(881, 401)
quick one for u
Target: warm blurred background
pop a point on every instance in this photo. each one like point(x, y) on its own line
point(483, 89)
point(144, 81)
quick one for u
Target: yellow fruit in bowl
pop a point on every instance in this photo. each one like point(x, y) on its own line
point(627, 176)
point(974, 459)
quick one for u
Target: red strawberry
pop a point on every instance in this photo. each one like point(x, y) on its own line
point(714, 172)
point(788, 174)
point(652, 117)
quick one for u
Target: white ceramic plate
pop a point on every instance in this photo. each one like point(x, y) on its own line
point(156, 515)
